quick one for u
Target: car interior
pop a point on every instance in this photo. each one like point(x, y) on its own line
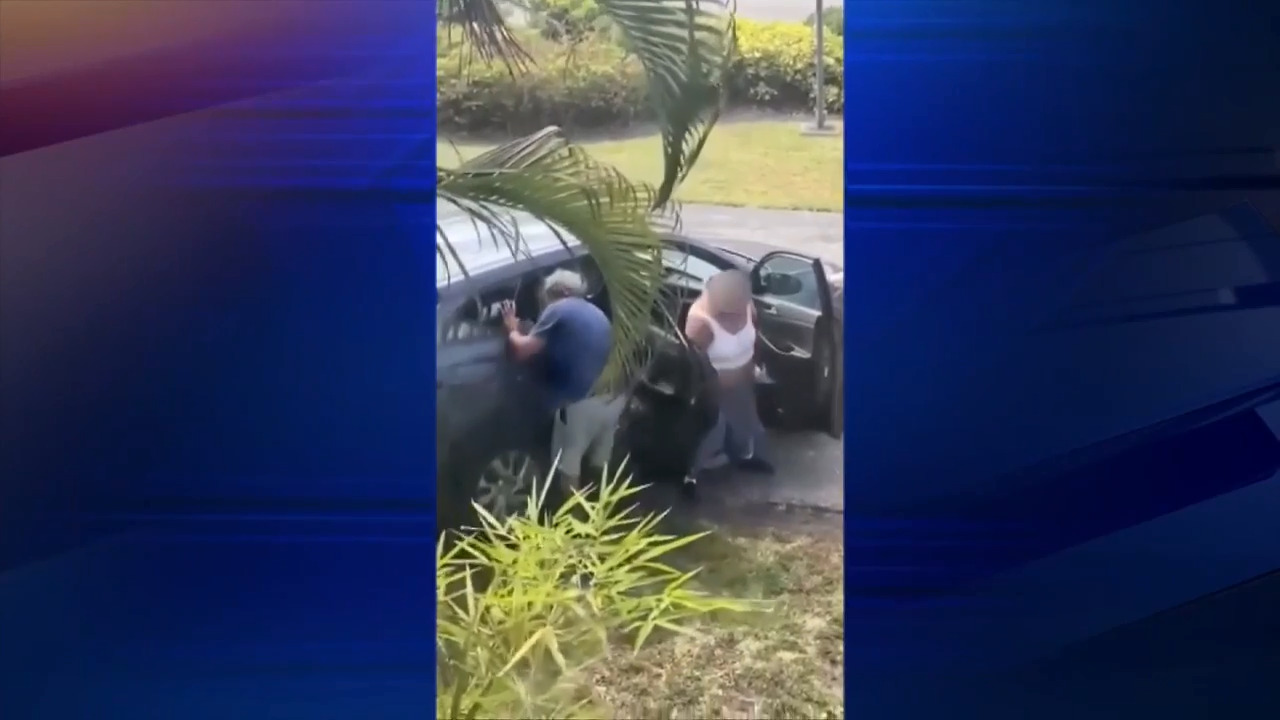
point(482, 315)
point(527, 293)
point(478, 317)
point(670, 372)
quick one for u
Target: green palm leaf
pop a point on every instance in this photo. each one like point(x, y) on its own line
point(485, 29)
point(557, 182)
point(685, 49)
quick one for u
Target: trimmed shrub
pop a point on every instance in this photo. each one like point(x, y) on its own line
point(586, 85)
point(565, 20)
point(594, 83)
point(832, 20)
point(775, 68)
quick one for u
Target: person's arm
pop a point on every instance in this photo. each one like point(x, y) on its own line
point(698, 331)
point(526, 345)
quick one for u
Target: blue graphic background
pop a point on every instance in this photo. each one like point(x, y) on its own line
point(218, 410)
point(216, 481)
point(1041, 497)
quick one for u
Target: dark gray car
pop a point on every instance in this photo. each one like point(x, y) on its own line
point(493, 430)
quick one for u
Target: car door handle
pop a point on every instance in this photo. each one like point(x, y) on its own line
point(768, 309)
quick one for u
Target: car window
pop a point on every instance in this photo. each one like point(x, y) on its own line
point(586, 267)
point(479, 316)
point(583, 265)
point(590, 272)
point(800, 268)
point(684, 275)
point(685, 268)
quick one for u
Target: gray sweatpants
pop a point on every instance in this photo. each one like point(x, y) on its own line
point(738, 433)
point(586, 429)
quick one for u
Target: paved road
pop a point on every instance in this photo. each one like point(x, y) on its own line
point(810, 465)
point(796, 10)
point(791, 10)
point(820, 233)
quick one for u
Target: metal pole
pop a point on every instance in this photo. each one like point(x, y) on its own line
point(819, 103)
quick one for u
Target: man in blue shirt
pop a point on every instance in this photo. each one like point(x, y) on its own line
point(574, 338)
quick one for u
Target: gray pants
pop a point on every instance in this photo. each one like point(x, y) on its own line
point(738, 433)
point(586, 429)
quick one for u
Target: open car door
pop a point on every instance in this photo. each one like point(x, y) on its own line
point(799, 342)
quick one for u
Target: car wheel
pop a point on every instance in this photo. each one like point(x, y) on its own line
point(506, 483)
point(500, 480)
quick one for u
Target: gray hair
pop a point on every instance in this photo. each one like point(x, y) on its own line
point(564, 283)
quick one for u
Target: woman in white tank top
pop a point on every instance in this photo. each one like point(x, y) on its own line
point(722, 324)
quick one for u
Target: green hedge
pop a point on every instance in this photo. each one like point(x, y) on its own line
point(565, 19)
point(594, 84)
point(832, 20)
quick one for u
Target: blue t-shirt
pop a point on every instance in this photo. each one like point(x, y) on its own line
point(578, 341)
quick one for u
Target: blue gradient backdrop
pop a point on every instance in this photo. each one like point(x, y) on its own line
point(215, 383)
point(218, 410)
point(997, 156)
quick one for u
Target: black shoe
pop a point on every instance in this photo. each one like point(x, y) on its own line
point(689, 488)
point(756, 464)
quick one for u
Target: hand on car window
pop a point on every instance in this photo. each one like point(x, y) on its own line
point(509, 319)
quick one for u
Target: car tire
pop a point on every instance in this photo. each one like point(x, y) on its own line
point(507, 470)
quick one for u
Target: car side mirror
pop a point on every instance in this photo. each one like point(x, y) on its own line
point(779, 284)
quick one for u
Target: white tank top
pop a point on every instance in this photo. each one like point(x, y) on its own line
point(730, 351)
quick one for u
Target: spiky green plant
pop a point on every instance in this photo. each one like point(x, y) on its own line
point(527, 605)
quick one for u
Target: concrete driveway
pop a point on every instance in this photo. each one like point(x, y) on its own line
point(810, 466)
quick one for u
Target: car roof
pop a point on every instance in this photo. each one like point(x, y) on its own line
point(480, 249)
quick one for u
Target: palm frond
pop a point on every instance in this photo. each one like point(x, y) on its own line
point(486, 31)
point(557, 182)
point(685, 49)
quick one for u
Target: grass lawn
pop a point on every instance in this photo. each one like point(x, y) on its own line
point(784, 663)
point(766, 164)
